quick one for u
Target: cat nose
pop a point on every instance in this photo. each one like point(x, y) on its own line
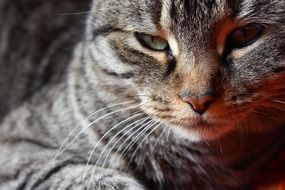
point(200, 104)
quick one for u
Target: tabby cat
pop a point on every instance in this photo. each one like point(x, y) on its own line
point(140, 94)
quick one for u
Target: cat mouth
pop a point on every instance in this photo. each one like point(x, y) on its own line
point(200, 129)
point(205, 122)
point(196, 123)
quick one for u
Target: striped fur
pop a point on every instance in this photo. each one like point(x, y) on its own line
point(106, 113)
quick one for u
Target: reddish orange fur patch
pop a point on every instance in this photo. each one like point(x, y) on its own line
point(273, 177)
point(223, 30)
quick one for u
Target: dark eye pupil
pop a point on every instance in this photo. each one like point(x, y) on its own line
point(244, 36)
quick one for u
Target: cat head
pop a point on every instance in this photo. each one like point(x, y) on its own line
point(207, 67)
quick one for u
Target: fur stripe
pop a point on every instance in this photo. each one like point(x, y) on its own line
point(28, 178)
point(157, 7)
point(127, 75)
point(104, 30)
point(49, 173)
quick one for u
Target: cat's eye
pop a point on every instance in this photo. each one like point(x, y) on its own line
point(152, 42)
point(245, 36)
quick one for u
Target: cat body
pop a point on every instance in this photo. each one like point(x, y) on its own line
point(121, 115)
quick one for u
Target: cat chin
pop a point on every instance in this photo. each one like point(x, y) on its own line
point(201, 133)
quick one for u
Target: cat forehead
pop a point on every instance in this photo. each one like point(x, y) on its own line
point(184, 17)
point(195, 16)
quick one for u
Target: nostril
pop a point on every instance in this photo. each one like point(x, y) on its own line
point(199, 105)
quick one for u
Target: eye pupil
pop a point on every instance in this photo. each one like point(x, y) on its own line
point(152, 42)
point(244, 36)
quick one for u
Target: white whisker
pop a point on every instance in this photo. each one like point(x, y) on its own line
point(93, 150)
point(140, 121)
point(75, 13)
point(93, 122)
point(111, 149)
point(279, 101)
point(137, 137)
point(156, 127)
point(160, 136)
point(85, 120)
point(123, 144)
point(169, 129)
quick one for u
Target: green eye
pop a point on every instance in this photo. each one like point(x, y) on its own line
point(152, 42)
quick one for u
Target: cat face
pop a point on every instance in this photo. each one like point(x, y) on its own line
point(207, 67)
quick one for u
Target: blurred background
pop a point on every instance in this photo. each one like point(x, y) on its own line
point(36, 39)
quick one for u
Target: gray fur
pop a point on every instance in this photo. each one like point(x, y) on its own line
point(46, 136)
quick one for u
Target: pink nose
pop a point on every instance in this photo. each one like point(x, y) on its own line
point(199, 105)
